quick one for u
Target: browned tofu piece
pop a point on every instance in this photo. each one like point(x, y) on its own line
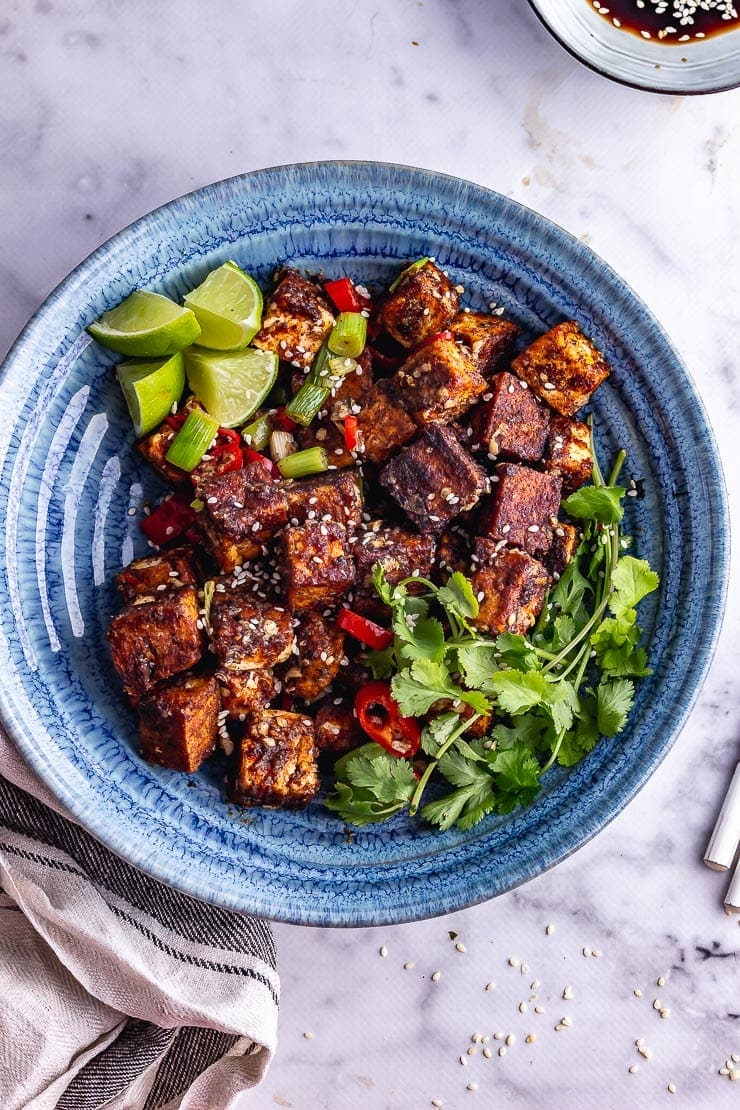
point(156, 574)
point(247, 634)
point(155, 638)
point(244, 692)
point(522, 508)
point(565, 541)
point(320, 649)
point(275, 764)
point(424, 302)
point(563, 367)
point(383, 425)
point(488, 338)
point(348, 396)
point(296, 320)
point(439, 382)
point(513, 422)
point(569, 452)
point(178, 721)
point(337, 730)
point(155, 446)
point(434, 480)
point(399, 552)
point(511, 591)
point(240, 515)
point(317, 564)
point(332, 496)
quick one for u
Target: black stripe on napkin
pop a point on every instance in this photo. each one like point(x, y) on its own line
point(191, 1053)
point(139, 1045)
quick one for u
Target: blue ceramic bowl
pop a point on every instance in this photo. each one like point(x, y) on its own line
point(69, 479)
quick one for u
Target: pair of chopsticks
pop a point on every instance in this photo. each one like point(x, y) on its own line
point(724, 842)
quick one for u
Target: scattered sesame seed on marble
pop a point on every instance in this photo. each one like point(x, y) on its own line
point(596, 952)
point(656, 1003)
point(383, 951)
point(539, 1009)
point(437, 975)
point(734, 1074)
point(499, 1036)
point(502, 1051)
point(524, 969)
point(637, 992)
point(472, 1086)
point(549, 930)
point(586, 951)
point(472, 1050)
point(437, 1103)
point(460, 947)
point(485, 1039)
point(568, 994)
point(665, 1012)
point(409, 965)
point(672, 1088)
point(661, 981)
point(490, 986)
point(308, 1036)
point(645, 1052)
point(522, 1007)
point(511, 1039)
point(487, 1053)
point(633, 1069)
point(534, 984)
point(513, 961)
point(530, 1038)
point(463, 1061)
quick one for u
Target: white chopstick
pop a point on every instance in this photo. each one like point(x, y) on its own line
point(732, 898)
point(722, 847)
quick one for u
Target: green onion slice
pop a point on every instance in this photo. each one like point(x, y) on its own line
point(348, 335)
point(193, 440)
point(257, 434)
point(307, 402)
point(282, 444)
point(409, 270)
point(341, 366)
point(314, 460)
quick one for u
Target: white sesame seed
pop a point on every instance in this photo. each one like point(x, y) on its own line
point(487, 1053)
point(463, 1060)
point(586, 951)
point(734, 1074)
point(665, 1012)
point(637, 992)
point(436, 976)
point(490, 986)
point(472, 1050)
point(383, 951)
point(485, 1039)
point(511, 1039)
point(596, 952)
point(566, 1021)
point(549, 929)
point(472, 1086)
point(656, 1003)
point(499, 1036)
point(502, 1051)
point(409, 966)
point(672, 1088)
point(530, 1038)
point(513, 961)
point(308, 1036)
point(460, 947)
point(661, 981)
point(568, 994)
point(645, 1052)
point(539, 1009)
point(633, 1069)
point(437, 1103)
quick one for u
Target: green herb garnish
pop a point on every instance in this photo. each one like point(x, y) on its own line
point(551, 695)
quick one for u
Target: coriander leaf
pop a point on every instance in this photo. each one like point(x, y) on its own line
point(478, 807)
point(613, 703)
point(426, 681)
point(382, 663)
point(457, 597)
point(615, 642)
point(386, 776)
point(477, 664)
point(571, 589)
point(358, 808)
point(438, 730)
point(517, 691)
point(527, 728)
point(445, 812)
point(563, 631)
point(422, 639)
point(592, 503)
point(516, 652)
point(382, 585)
point(577, 742)
point(477, 700)
point(560, 700)
point(517, 774)
point(458, 769)
point(632, 580)
point(371, 785)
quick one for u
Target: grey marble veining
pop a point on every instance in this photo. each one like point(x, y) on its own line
point(107, 110)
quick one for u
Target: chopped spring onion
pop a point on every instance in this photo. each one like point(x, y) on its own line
point(193, 440)
point(314, 460)
point(348, 335)
point(307, 402)
point(409, 270)
point(282, 444)
point(208, 591)
point(197, 505)
point(320, 365)
point(341, 366)
point(257, 434)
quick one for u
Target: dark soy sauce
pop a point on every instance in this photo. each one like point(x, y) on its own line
point(660, 20)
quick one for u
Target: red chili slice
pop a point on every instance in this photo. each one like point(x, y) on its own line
point(168, 521)
point(228, 456)
point(252, 456)
point(350, 433)
point(344, 295)
point(364, 630)
point(283, 421)
point(378, 715)
point(176, 420)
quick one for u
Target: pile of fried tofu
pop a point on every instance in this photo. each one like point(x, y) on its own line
point(464, 453)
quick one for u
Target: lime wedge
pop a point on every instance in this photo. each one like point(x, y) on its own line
point(146, 325)
point(231, 384)
point(228, 307)
point(151, 388)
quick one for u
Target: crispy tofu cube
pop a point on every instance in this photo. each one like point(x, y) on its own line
point(383, 425)
point(562, 367)
point(332, 496)
point(276, 761)
point(512, 423)
point(522, 509)
point(453, 553)
point(296, 320)
point(317, 564)
point(565, 541)
point(434, 480)
point(439, 382)
point(347, 399)
point(337, 730)
point(569, 452)
point(488, 338)
point(247, 634)
point(178, 721)
point(156, 574)
point(399, 552)
point(325, 433)
point(154, 448)
point(244, 692)
point(511, 590)
point(155, 638)
point(240, 515)
point(424, 302)
point(320, 649)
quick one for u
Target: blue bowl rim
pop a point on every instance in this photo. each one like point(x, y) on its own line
point(704, 649)
point(667, 90)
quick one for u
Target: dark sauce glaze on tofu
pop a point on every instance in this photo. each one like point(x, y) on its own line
point(464, 450)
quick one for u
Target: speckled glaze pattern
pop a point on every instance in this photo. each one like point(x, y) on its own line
point(69, 476)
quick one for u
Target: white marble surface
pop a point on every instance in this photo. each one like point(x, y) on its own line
point(107, 110)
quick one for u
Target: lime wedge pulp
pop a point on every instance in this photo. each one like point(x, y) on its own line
point(151, 387)
point(228, 307)
point(231, 385)
point(146, 325)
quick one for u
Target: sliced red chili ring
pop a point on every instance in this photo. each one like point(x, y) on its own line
point(378, 715)
point(344, 295)
point(170, 520)
point(364, 630)
point(350, 433)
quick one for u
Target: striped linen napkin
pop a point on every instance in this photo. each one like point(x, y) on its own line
point(115, 990)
